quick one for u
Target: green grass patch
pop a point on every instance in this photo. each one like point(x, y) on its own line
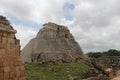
point(58, 71)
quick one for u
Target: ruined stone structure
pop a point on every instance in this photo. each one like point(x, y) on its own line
point(51, 26)
point(112, 63)
point(53, 42)
point(109, 61)
point(11, 66)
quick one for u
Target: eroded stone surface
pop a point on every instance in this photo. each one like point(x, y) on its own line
point(11, 66)
point(53, 42)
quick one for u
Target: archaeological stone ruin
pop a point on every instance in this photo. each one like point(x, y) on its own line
point(53, 42)
point(11, 66)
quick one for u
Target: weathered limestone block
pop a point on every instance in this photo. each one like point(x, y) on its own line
point(11, 66)
point(118, 73)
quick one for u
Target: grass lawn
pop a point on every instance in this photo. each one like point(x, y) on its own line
point(55, 71)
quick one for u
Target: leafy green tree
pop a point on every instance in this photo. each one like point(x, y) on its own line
point(111, 52)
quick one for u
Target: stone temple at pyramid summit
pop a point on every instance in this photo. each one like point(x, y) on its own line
point(11, 66)
point(53, 42)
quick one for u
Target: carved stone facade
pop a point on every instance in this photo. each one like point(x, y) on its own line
point(11, 66)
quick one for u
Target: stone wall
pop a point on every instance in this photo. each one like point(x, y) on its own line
point(109, 61)
point(51, 26)
point(112, 63)
point(11, 66)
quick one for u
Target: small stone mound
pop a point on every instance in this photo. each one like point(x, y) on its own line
point(53, 42)
point(11, 66)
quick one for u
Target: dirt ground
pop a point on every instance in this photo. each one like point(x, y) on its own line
point(116, 78)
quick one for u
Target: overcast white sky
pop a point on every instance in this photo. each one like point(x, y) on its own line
point(95, 24)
